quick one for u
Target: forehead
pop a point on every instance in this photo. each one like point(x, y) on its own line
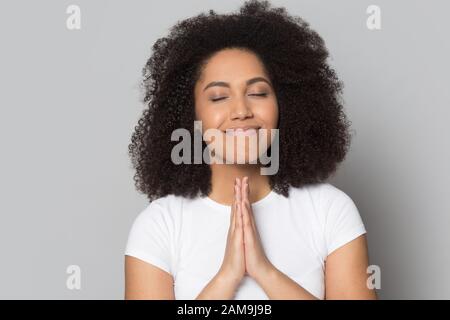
point(232, 65)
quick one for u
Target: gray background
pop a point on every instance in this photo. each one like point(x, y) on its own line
point(70, 99)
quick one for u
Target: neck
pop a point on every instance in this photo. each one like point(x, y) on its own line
point(224, 175)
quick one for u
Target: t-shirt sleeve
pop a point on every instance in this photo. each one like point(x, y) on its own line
point(343, 222)
point(149, 237)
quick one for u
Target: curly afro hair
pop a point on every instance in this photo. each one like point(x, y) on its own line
point(313, 129)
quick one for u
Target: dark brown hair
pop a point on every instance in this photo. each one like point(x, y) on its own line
point(313, 129)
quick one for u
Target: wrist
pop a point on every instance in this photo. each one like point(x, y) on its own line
point(269, 272)
point(227, 278)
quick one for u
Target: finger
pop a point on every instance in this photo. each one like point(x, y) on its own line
point(238, 232)
point(247, 204)
point(245, 216)
point(251, 218)
point(239, 224)
point(246, 198)
point(248, 187)
point(233, 209)
point(239, 195)
point(236, 206)
point(239, 218)
point(247, 223)
point(244, 191)
point(243, 199)
point(247, 227)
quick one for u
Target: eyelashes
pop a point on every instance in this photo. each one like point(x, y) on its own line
point(254, 94)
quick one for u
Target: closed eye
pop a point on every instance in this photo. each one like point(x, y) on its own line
point(253, 94)
point(259, 94)
point(218, 99)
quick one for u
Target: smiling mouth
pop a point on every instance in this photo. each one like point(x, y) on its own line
point(242, 132)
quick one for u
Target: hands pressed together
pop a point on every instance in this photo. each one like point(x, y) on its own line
point(244, 253)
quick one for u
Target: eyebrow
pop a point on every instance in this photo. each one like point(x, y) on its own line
point(227, 85)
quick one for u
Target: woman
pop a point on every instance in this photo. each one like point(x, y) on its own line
point(228, 231)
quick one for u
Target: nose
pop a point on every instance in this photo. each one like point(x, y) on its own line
point(240, 110)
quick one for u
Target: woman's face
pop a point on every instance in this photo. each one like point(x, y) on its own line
point(234, 92)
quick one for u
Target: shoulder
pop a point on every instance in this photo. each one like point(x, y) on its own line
point(339, 217)
point(165, 210)
point(323, 194)
point(153, 234)
point(327, 200)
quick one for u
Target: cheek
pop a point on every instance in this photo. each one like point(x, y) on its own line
point(211, 118)
point(269, 115)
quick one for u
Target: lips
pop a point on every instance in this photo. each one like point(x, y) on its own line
point(244, 131)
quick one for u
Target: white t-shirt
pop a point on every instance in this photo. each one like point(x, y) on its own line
point(187, 237)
